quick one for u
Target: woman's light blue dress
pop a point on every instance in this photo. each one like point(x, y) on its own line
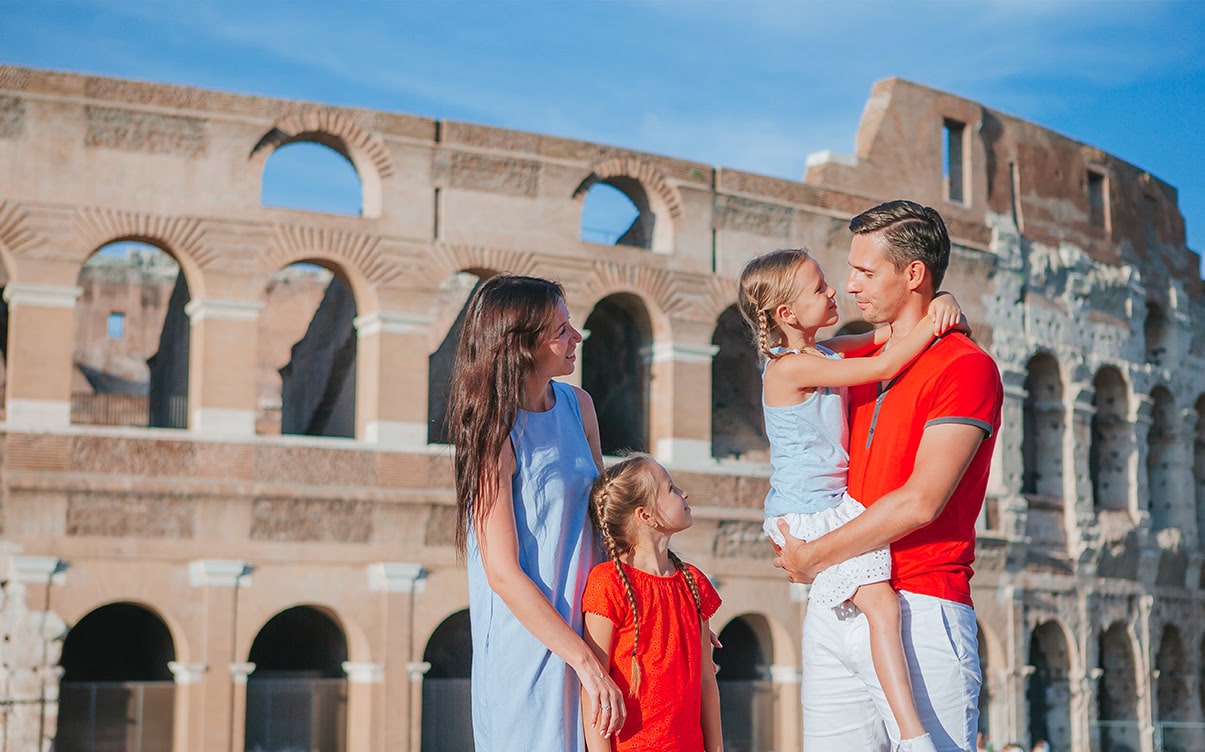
point(526, 699)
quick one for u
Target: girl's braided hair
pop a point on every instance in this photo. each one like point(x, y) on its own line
point(767, 282)
point(618, 492)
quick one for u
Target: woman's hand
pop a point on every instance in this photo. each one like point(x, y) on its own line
point(602, 700)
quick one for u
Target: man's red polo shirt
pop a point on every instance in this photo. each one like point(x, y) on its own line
point(954, 381)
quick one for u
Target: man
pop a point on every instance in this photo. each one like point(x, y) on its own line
point(920, 448)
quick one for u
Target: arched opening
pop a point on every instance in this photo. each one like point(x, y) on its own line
point(615, 371)
point(1160, 456)
point(1154, 329)
point(1171, 695)
point(616, 211)
point(306, 363)
point(1109, 453)
point(447, 708)
point(117, 691)
point(737, 425)
point(1048, 689)
point(1042, 427)
point(746, 693)
point(312, 173)
point(297, 694)
point(451, 303)
point(1117, 695)
point(131, 339)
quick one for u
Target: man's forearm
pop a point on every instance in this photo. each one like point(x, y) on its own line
point(890, 518)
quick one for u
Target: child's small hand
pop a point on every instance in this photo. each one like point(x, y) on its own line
point(946, 315)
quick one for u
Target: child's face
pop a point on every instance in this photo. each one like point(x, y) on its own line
point(815, 305)
point(668, 507)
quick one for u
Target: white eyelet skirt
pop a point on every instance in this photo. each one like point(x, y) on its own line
point(834, 585)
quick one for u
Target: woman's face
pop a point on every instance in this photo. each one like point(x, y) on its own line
point(557, 352)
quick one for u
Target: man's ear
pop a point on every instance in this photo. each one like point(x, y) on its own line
point(916, 274)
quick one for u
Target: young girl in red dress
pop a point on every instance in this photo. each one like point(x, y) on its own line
point(646, 615)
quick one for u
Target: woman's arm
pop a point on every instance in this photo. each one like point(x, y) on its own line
point(590, 424)
point(598, 632)
point(499, 544)
point(804, 371)
point(713, 736)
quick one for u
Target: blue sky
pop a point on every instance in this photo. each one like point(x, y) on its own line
point(755, 85)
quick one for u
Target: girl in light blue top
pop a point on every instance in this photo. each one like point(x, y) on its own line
point(785, 300)
point(527, 451)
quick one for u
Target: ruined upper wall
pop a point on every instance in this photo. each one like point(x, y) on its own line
point(1018, 170)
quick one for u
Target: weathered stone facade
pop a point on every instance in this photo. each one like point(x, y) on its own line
point(1070, 263)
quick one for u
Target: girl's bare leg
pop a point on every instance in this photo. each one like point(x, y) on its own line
point(882, 608)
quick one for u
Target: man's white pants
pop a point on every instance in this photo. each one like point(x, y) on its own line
point(844, 707)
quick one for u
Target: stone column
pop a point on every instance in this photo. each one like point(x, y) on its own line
point(416, 670)
point(187, 677)
point(211, 725)
point(396, 726)
point(362, 681)
point(1084, 710)
point(788, 708)
point(30, 648)
point(40, 361)
point(680, 403)
point(222, 366)
point(1079, 515)
point(391, 379)
point(238, 705)
point(1145, 675)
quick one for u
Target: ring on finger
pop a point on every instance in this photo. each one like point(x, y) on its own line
point(605, 707)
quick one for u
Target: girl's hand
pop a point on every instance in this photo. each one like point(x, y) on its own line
point(946, 315)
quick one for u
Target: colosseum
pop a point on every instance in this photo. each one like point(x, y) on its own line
point(226, 502)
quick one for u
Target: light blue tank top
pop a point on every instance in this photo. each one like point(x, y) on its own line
point(525, 699)
point(809, 451)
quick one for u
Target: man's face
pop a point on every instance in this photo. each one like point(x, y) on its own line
point(879, 289)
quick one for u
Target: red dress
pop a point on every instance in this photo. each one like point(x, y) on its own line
point(666, 714)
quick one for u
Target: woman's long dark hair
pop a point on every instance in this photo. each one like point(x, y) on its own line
point(506, 320)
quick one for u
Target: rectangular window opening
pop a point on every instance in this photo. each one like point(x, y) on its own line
point(117, 325)
point(952, 163)
point(1097, 211)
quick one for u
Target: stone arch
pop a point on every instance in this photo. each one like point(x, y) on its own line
point(658, 204)
point(1043, 419)
point(1048, 686)
point(1109, 452)
point(744, 677)
point(1161, 461)
point(447, 719)
point(356, 256)
point(117, 677)
point(132, 336)
point(616, 369)
point(299, 656)
point(364, 148)
point(15, 237)
point(737, 424)
point(182, 238)
point(655, 288)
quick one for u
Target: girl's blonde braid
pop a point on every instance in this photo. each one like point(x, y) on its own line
point(763, 335)
point(690, 581)
point(613, 549)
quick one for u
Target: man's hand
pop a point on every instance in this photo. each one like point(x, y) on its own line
point(795, 557)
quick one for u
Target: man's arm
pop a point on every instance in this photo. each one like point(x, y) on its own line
point(945, 452)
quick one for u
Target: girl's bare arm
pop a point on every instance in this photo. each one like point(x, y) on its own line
point(598, 632)
point(713, 737)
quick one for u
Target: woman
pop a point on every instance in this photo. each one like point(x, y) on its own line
point(527, 451)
